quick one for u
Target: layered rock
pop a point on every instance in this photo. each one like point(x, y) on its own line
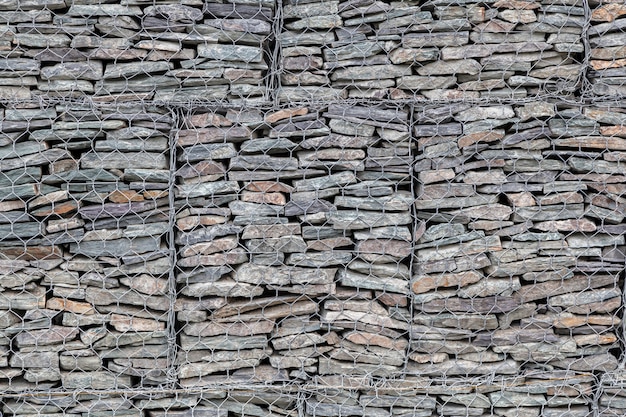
point(518, 264)
point(612, 394)
point(607, 55)
point(136, 51)
point(536, 393)
point(85, 260)
point(443, 50)
point(280, 215)
point(238, 403)
point(455, 249)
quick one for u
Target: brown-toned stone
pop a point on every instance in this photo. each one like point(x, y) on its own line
point(391, 299)
point(601, 65)
point(50, 198)
point(188, 223)
point(618, 130)
point(440, 175)
point(207, 248)
point(201, 169)
point(593, 142)
point(268, 187)
point(595, 339)
point(155, 194)
point(208, 119)
point(424, 283)
point(285, 114)
point(567, 198)
point(608, 12)
point(329, 243)
point(212, 135)
point(56, 209)
point(32, 252)
point(63, 304)
point(264, 198)
point(373, 339)
point(523, 199)
point(568, 320)
point(478, 137)
point(11, 205)
point(124, 196)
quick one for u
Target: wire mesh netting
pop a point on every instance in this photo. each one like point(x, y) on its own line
point(606, 54)
point(312, 208)
point(266, 233)
point(519, 263)
point(85, 258)
point(474, 267)
point(430, 50)
point(107, 52)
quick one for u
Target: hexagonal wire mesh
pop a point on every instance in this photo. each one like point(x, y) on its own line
point(137, 51)
point(302, 258)
point(174, 244)
point(606, 50)
point(85, 258)
point(293, 227)
point(436, 50)
point(520, 253)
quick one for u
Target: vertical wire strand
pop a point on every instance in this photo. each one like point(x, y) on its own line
point(274, 78)
point(413, 211)
point(171, 314)
point(585, 85)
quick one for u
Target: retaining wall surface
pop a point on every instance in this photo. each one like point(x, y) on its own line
point(337, 208)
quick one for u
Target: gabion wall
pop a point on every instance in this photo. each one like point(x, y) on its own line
point(312, 209)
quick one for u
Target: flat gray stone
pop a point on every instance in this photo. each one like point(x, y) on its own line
point(231, 53)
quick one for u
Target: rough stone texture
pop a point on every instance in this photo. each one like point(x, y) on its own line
point(514, 220)
point(304, 225)
point(607, 54)
point(442, 50)
point(85, 261)
point(137, 51)
point(336, 208)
